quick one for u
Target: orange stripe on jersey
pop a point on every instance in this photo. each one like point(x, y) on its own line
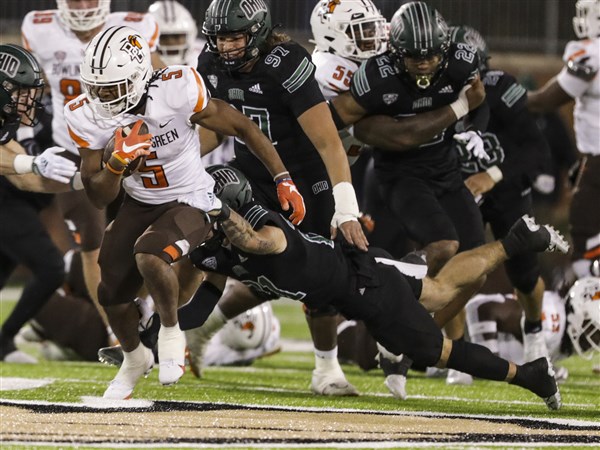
point(577, 54)
point(25, 42)
point(200, 103)
point(172, 251)
point(592, 254)
point(78, 140)
point(154, 37)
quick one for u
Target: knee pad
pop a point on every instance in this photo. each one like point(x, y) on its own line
point(523, 272)
point(426, 350)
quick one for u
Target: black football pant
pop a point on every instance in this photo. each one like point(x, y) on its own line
point(24, 240)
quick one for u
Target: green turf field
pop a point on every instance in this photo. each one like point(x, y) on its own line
point(283, 379)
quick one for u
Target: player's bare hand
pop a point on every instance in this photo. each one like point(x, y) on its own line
point(353, 233)
point(479, 184)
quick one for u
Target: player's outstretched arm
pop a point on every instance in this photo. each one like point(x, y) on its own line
point(548, 98)
point(268, 240)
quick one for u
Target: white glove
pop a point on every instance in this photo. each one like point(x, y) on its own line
point(53, 166)
point(473, 144)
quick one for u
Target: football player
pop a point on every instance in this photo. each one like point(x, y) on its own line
point(58, 38)
point(579, 81)
point(517, 152)
point(271, 79)
point(369, 286)
point(569, 326)
point(163, 214)
point(24, 238)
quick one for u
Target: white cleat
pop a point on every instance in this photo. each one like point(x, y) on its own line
point(455, 377)
point(121, 387)
point(333, 384)
point(171, 356)
point(396, 385)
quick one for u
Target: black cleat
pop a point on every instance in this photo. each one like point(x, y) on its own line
point(538, 376)
point(528, 236)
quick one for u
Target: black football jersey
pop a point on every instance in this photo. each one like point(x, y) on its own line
point(512, 139)
point(381, 89)
point(280, 87)
point(312, 269)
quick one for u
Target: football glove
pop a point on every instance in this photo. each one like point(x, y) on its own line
point(288, 193)
point(473, 143)
point(128, 148)
point(53, 166)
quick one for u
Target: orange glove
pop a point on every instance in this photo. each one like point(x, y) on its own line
point(128, 148)
point(287, 193)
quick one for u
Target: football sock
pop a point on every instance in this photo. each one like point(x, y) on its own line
point(196, 312)
point(477, 360)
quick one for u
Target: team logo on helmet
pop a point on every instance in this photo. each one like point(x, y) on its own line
point(331, 5)
point(133, 48)
point(251, 8)
point(9, 64)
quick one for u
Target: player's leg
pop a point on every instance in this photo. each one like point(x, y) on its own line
point(155, 252)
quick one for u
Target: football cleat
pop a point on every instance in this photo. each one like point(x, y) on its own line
point(537, 238)
point(197, 341)
point(331, 383)
point(396, 385)
point(19, 357)
point(111, 355)
point(121, 387)
point(455, 377)
point(171, 356)
point(539, 377)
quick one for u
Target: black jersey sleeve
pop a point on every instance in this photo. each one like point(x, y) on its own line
point(206, 67)
point(463, 64)
point(292, 68)
point(8, 130)
point(367, 84)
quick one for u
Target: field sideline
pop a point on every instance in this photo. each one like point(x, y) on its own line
point(269, 404)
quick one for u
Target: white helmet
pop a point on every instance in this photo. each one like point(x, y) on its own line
point(251, 329)
point(586, 22)
point(174, 20)
point(353, 29)
point(119, 59)
point(83, 19)
point(583, 321)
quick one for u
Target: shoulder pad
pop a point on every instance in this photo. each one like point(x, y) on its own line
point(290, 64)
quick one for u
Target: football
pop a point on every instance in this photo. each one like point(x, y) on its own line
point(134, 165)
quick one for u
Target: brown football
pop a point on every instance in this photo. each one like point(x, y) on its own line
point(110, 147)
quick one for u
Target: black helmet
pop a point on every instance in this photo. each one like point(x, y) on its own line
point(21, 84)
point(238, 16)
point(418, 31)
point(231, 185)
point(464, 34)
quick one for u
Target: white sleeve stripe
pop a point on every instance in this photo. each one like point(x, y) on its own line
point(299, 77)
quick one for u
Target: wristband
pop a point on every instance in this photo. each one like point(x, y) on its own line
point(113, 170)
point(280, 174)
point(23, 164)
point(495, 174)
point(76, 183)
point(345, 199)
point(460, 107)
point(281, 180)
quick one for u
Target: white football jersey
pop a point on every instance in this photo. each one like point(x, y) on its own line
point(60, 53)
point(174, 170)
point(585, 92)
point(553, 326)
point(333, 73)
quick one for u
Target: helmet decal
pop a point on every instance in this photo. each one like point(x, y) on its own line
point(133, 48)
point(9, 64)
point(331, 5)
point(251, 8)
